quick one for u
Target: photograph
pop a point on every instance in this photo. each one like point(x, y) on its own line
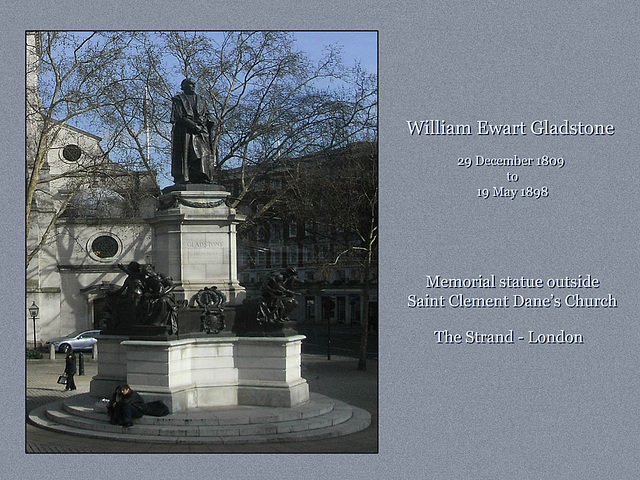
point(201, 241)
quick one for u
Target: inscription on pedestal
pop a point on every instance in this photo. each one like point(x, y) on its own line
point(204, 244)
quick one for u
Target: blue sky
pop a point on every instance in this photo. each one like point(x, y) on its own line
point(361, 46)
point(356, 46)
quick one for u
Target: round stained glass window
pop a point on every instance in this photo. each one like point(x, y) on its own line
point(72, 153)
point(104, 246)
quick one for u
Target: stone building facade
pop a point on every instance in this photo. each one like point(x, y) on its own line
point(97, 230)
point(87, 214)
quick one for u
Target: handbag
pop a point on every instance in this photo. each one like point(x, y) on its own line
point(156, 409)
point(62, 379)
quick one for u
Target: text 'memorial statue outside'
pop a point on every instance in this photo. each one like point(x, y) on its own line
point(191, 157)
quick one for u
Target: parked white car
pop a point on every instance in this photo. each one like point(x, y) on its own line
point(80, 340)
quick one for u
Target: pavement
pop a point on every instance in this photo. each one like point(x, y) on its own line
point(340, 340)
point(337, 378)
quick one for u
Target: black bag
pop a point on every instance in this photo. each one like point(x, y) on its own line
point(62, 379)
point(156, 409)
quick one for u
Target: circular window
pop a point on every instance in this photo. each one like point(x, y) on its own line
point(72, 153)
point(104, 246)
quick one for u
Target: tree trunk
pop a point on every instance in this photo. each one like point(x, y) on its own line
point(364, 335)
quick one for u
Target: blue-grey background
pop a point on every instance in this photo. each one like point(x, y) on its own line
point(446, 412)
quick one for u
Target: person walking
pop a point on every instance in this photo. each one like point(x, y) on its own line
point(70, 369)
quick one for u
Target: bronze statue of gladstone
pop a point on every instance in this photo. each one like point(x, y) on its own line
point(191, 158)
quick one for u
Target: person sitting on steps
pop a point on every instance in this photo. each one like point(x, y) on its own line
point(124, 406)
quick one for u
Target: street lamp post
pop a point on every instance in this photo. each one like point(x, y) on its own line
point(33, 311)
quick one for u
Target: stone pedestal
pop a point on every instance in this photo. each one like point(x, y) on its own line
point(184, 374)
point(269, 371)
point(194, 240)
point(112, 366)
point(206, 371)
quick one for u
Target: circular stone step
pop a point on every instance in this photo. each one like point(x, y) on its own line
point(321, 417)
point(84, 406)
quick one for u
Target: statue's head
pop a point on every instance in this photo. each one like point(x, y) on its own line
point(188, 85)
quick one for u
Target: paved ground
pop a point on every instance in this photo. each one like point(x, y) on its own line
point(340, 340)
point(337, 378)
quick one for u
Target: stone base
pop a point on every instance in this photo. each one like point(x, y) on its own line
point(194, 240)
point(193, 187)
point(205, 371)
point(259, 393)
point(269, 371)
point(112, 366)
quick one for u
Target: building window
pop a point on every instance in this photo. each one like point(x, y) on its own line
point(104, 246)
point(308, 228)
point(276, 232)
point(293, 229)
point(243, 258)
point(322, 254)
point(293, 255)
point(351, 274)
point(307, 254)
point(71, 153)
point(310, 307)
point(261, 258)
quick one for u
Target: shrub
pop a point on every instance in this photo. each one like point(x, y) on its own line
point(31, 354)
